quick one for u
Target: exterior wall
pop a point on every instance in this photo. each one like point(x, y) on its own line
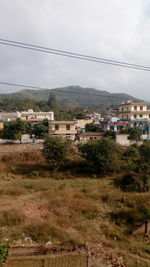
point(9, 116)
point(82, 123)
point(26, 115)
point(135, 110)
point(90, 136)
point(29, 115)
point(65, 129)
point(122, 139)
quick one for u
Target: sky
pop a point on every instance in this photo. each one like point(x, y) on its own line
point(113, 29)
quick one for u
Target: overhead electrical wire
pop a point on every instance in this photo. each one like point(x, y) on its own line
point(58, 90)
point(72, 54)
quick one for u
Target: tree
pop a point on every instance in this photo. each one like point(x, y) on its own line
point(91, 127)
point(111, 134)
point(101, 155)
point(40, 129)
point(135, 134)
point(55, 151)
point(13, 129)
point(52, 102)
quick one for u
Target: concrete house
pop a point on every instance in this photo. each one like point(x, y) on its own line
point(31, 115)
point(64, 129)
point(133, 110)
point(137, 115)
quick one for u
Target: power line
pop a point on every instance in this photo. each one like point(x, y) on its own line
point(72, 55)
point(58, 90)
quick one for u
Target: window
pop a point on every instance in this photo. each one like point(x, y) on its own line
point(141, 116)
point(141, 107)
point(135, 116)
point(56, 127)
point(135, 107)
point(68, 127)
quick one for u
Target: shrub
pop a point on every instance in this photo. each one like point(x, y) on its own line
point(131, 218)
point(55, 151)
point(133, 182)
point(135, 133)
point(145, 152)
point(102, 155)
point(3, 251)
point(11, 217)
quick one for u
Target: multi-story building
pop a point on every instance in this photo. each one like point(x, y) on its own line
point(137, 115)
point(63, 129)
point(132, 110)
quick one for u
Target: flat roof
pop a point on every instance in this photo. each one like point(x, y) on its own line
point(62, 122)
point(137, 103)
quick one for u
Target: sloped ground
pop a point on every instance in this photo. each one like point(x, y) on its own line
point(39, 206)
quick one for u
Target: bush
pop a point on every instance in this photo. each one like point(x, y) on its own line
point(133, 182)
point(101, 155)
point(3, 251)
point(145, 152)
point(55, 151)
point(131, 218)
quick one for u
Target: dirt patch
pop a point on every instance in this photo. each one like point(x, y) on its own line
point(11, 148)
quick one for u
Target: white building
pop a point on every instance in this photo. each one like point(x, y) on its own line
point(31, 115)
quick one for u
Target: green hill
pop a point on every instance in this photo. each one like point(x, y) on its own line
point(72, 94)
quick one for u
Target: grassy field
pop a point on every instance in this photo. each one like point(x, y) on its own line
point(68, 209)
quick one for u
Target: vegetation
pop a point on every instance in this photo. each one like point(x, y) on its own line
point(71, 95)
point(99, 197)
point(69, 208)
point(135, 133)
point(91, 127)
point(111, 134)
point(14, 130)
point(55, 151)
point(3, 251)
point(101, 155)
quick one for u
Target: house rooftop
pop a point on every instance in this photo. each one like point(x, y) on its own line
point(133, 102)
point(62, 122)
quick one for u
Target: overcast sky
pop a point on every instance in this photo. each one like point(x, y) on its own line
point(114, 29)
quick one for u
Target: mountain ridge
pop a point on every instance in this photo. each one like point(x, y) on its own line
point(82, 96)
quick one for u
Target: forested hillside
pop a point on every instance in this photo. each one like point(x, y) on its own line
point(71, 95)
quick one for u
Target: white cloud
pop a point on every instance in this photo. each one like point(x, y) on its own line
point(115, 29)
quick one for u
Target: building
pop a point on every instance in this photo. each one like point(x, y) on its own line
point(85, 137)
point(31, 115)
point(134, 110)
point(114, 125)
point(124, 140)
point(65, 129)
point(81, 123)
point(9, 116)
point(137, 115)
